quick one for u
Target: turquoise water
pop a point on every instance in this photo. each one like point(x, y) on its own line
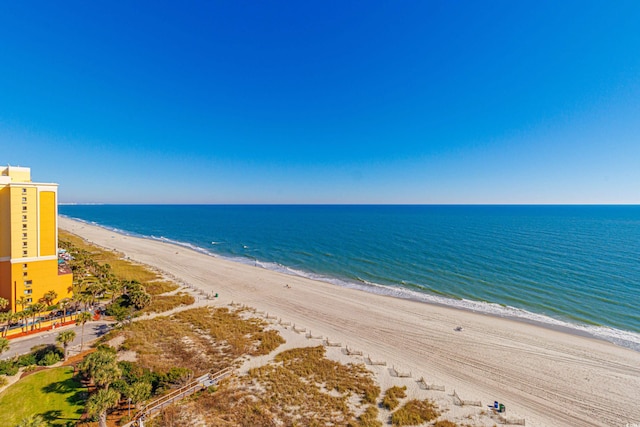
point(567, 266)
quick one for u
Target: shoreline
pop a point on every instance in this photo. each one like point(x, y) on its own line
point(620, 337)
point(547, 376)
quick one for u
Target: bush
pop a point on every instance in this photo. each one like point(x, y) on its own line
point(27, 360)
point(8, 368)
point(3, 381)
point(415, 412)
point(48, 354)
point(392, 397)
point(369, 418)
point(445, 423)
point(49, 359)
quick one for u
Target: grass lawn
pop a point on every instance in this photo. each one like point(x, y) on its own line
point(53, 393)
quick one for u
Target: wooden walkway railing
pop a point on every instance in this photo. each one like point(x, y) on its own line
point(153, 408)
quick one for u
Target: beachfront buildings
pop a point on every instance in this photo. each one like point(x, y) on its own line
point(29, 265)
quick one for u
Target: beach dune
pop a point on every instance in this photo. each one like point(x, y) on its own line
point(548, 377)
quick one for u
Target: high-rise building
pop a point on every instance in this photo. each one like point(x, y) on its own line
point(29, 266)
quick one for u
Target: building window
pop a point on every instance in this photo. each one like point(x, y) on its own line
point(24, 243)
point(24, 208)
point(24, 274)
point(28, 291)
point(24, 253)
point(28, 282)
point(24, 190)
point(24, 217)
point(29, 300)
point(24, 200)
point(24, 235)
point(24, 226)
point(24, 265)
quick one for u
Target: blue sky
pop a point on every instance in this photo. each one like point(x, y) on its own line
point(324, 102)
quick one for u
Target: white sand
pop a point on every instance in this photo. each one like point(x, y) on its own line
point(548, 377)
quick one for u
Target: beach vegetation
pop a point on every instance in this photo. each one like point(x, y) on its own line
point(203, 339)
point(445, 423)
point(300, 387)
point(369, 418)
point(158, 287)
point(415, 412)
point(392, 397)
point(162, 303)
point(129, 287)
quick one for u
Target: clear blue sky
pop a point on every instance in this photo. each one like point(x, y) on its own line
point(325, 101)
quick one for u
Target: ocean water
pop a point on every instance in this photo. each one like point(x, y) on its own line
point(575, 267)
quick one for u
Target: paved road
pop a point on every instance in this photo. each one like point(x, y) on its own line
point(92, 330)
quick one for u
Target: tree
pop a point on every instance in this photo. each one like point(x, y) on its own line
point(32, 421)
point(36, 309)
point(81, 319)
point(102, 367)
point(6, 318)
point(65, 338)
point(49, 297)
point(23, 316)
point(64, 303)
point(22, 301)
point(140, 299)
point(4, 345)
point(100, 402)
point(138, 392)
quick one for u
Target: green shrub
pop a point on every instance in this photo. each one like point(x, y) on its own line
point(27, 360)
point(3, 381)
point(49, 359)
point(8, 368)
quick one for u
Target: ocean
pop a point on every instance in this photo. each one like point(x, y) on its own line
point(569, 267)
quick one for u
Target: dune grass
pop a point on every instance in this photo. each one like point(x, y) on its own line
point(158, 287)
point(121, 268)
point(392, 397)
point(53, 394)
point(415, 412)
point(162, 303)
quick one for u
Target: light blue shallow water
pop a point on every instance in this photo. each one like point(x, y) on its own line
point(569, 266)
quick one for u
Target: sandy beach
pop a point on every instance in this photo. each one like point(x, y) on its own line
point(548, 377)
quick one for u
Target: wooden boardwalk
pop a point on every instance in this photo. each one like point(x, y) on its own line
point(153, 408)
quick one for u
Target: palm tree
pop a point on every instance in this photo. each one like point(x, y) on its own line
point(138, 392)
point(100, 402)
point(4, 345)
point(22, 301)
point(49, 297)
point(36, 309)
point(5, 318)
point(140, 299)
point(32, 421)
point(102, 367)
point(25, 315)
point(65, 338)
point(81, 319)
point(64, 303)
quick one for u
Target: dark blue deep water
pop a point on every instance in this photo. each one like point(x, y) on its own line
point(572, 266)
